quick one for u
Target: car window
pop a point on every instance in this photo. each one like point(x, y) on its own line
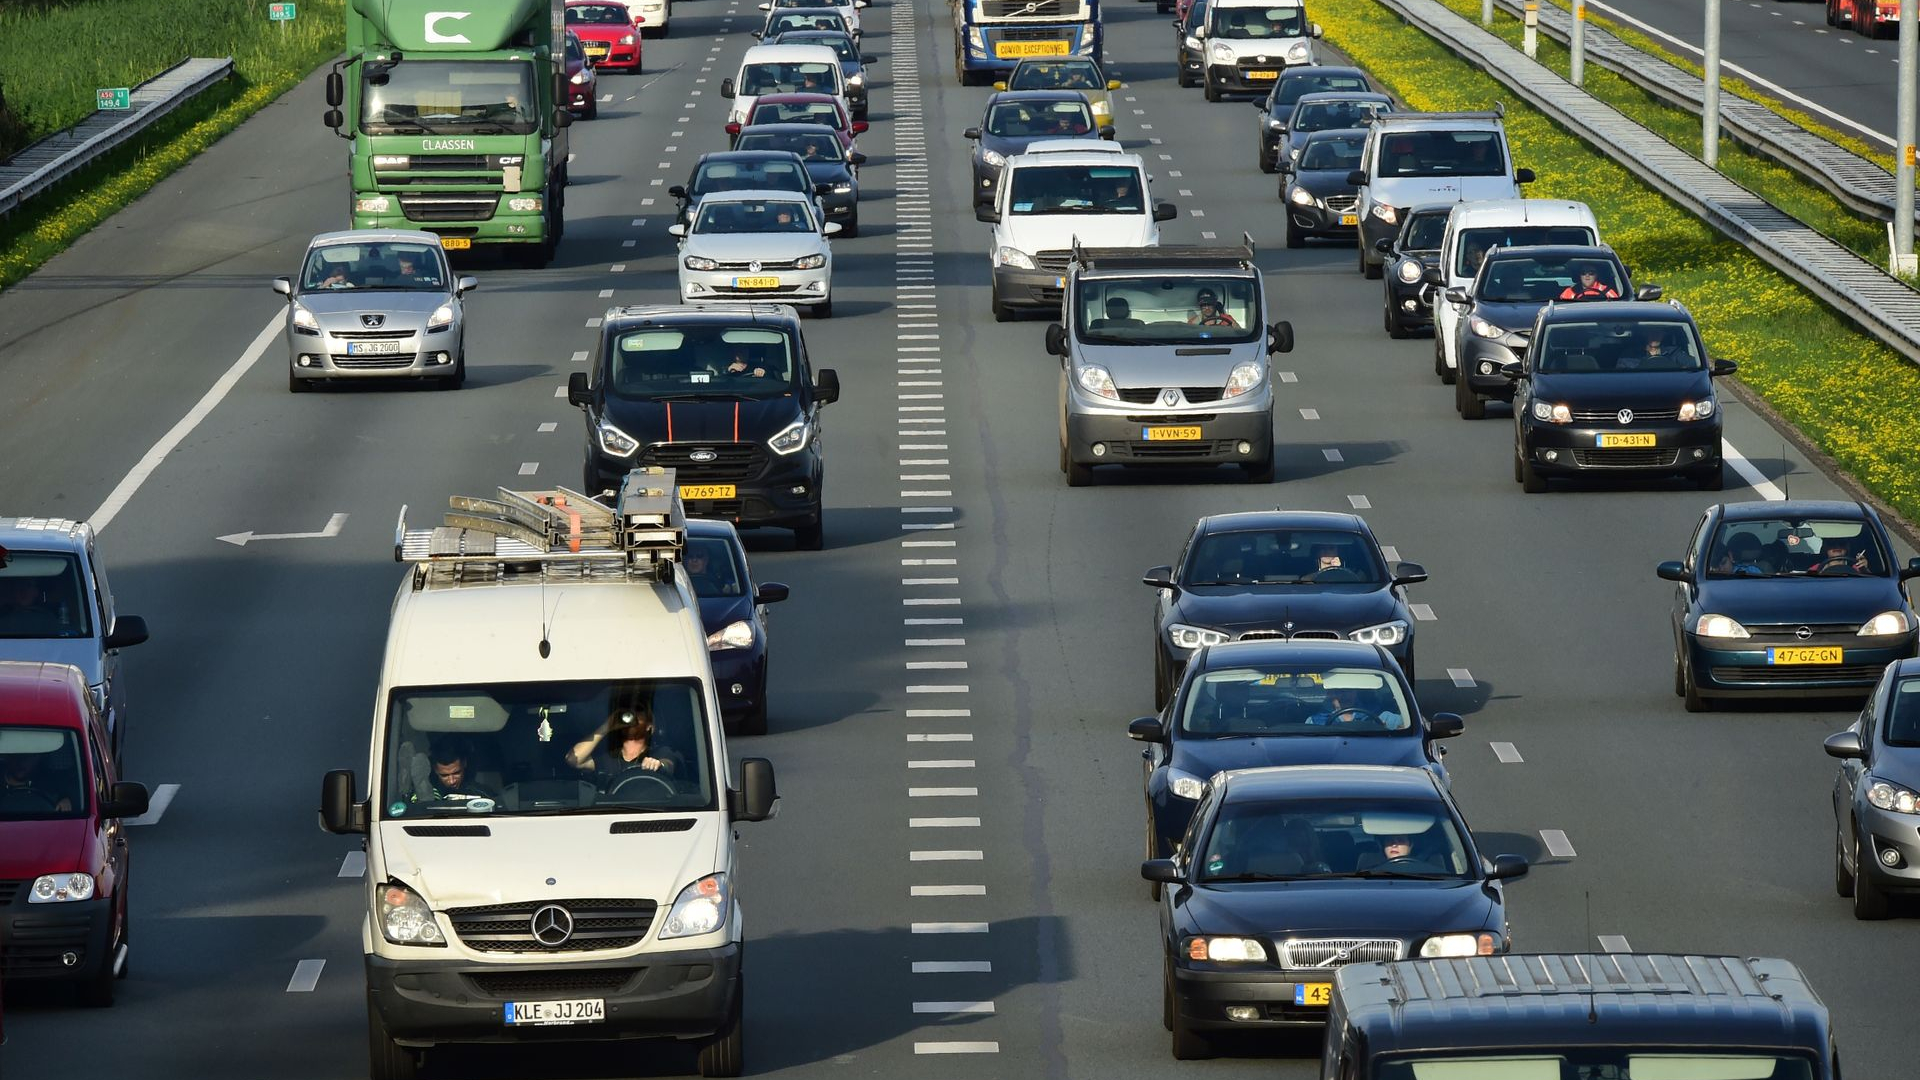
point(749, 176)
point(1530, 279)
point(759, 216)
point(1327, 115)
point(1282, 557)
point(1903, 714)
point(1336, 155)
point(821, 147)
point(1472, 245)
point(574, 52)
point(1425, 231)
point(1789, 547)
point(99, 769)
point(1056, 75)
point(1288, 700)
point(787, 112)
point(1250, 23)
point(43, 595)
point(392, 265)
point(1295, 87)
point(785, 77)
point(1292, 838)
point(712, 568)
point(1029, 119)
point(1163, 310)
point(1617, 346)
point(841, 45)
point(805, 21)
point(40, 774)
point(701, 361)
point(1442, 153)
point(598, 15)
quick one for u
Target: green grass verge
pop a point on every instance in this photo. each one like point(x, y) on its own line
point(1851, 396)
point(267, 63)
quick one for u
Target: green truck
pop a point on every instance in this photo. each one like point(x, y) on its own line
point(457, 119)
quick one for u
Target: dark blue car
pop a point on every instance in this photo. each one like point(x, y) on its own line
point(1798, 598)
point(733, 610)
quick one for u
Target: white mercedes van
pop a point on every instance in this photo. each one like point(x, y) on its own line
point(1473, 229)
point(1048, 201)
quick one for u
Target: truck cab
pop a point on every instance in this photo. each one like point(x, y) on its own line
point(991, 36)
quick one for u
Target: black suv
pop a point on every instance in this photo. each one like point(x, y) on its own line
point(726, 397)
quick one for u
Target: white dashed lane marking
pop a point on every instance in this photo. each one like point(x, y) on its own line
point(1557, 843)
point(1614, 943)
point(1507, 753)
point(952, 967)
point(353, 865)
point(1461, 677)
point(306, 975)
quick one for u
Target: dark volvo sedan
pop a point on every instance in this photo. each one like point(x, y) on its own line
point(1787, 598)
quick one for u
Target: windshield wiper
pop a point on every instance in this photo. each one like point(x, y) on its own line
point(1376, 872)
point(701, 397)
point(1259, 877)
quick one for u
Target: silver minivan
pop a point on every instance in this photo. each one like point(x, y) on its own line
point(1164, 360)
point(375, 303)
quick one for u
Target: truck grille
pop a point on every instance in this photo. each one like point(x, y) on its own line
point(444, 163)
point(732, 462)
point(1327, 952)
point(1656, 458)
point(507, 984)
point(1041, 9)
point(448, 207)
point(597, 924)
point(1032, 33)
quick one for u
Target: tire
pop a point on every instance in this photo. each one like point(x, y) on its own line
point(1212, 91)
point(823, 309)
point(1690, 690)
point(456, 380)
point(1188, 1044)
point(387, 1060)
point(1161, 690)
point(593, 110)
point(1153, 887)
point(1260, 472)
point(723, 1053)
point(755, 722)
point(1713, 479)
point(97, 991)
point(1519, 471)
point(1001, 312)
point(853, 227)
point(1078, 475)
point(1679, 674)
point(1167, 1009)
point(1294, 237)
point(296, 384)
point(1394, 329)
point(1371, 271)
point(1269, 163)
point(1869, 899)
point(1842, 877)
point(812, 537)
point(1531, 481)
point(1185, 79)
point(1472, 406)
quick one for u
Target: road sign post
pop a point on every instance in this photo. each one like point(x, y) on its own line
point(282, 13)
point(1710, 103)
point(1577, 64)
point(112, 98)
point(1904, 124)
point(1486, 12)
point(1530, 39)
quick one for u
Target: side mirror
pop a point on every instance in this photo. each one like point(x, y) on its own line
point(1912, 570)
point(726, 88)
point(970, 133)
point(1200, 31)
point(578, 393)
point(987, 214)
point(1159, 577)
point(1723, 367)
point(128, 630)
point(1001, 85)
point(1358, 178)
point(336, 90)
point(826, 386)
point(283, 286)
point(1432, 275)
point(1317, 32)
point(1176, 24)
point(1445, 725)
point(770, 592)
point(1165, 871)
point(1408, 573)
point(757, 799)
point(562, 118)
point(1056, 339)
point(859, 127)
point(1147, 729)
point(1844, 745)
point(1672, 570)
point(676, 229)
point(678, 191)
point(1384, 245)
point(1457, 296)
point(733, 127)
point(1508, 867)
point(465, 285)
point(333, 119)
point(1280, 337)
point(1164, 211)
point(1523, 176)
point(831, 228)
point(339, 814)
point(856, 158)
point(1648, 292)
point(125, 801)
point(1107, 132)
point(1113, 84)
point(1514, 370)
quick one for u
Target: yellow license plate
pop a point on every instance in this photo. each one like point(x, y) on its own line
point(706, 491)
point(455, 243)
point(1008, 50)
point(756, 282)
point(1312, 993)
point(1349, 219)
point(1258, 76)
point(1170, 434)
point(595, 50)
point(1627, 438)
point(1805, 654)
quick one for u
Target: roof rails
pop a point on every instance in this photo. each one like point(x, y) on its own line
point(1498, 112)
point(555, 533)
point(1166, 256)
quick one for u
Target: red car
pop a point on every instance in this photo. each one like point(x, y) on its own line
point(1874, 18)
point(63, 852)
point(607, 32)
point(583, 86)
point(802, 109)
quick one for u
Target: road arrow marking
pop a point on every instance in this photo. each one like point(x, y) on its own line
point(241, 539)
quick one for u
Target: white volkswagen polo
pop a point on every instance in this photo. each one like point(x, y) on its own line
point(758, 247)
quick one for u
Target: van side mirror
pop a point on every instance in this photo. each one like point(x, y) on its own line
point(826, 386)
point(336, 90)
point(1164, 211)
point(757, 799)
point(578, 393)
point(1107, 132)
point(128, 630)
point(1844, 745)
point(1508, 867)
point(1672, 570)
point(1165, 871)
point(126, 800)
point(1159, 577)
point(1280, 337)
point(339, 814)
point(1317, 32)
point(726, 88)
point(1445, 725)
point(987, 214)
point(1648, 292)
point(1147, 729)
point(1523, 176)
point(770, 592)
point(562, 118)
point(283, 286)
point(1056, 339)
point(1358, 178)
point(1723, 367)
point(1408, 573)
point(466, 284)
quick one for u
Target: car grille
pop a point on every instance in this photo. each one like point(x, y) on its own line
point(1326, 952)
point(10, 889)
point(766, 266)
point(1147, 395)
point(1171, 452)
point(1799, 673)
point(1342, 204)
point(1655, 458)
point(733, 462)
point(373, 335)
point(1297, 635)
point(38, 942)
point(597, 924)
point(1042, 9)
point(1612, 416)
point(508, 984)
point(770, 295)
point(1054, 262)
point(448, 207)
point(373, 363)
point(1031, 33)
point(1192, 418)
point(1792, 630)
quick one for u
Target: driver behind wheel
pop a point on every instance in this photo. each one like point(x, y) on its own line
point(21, 787)
point(623, 742)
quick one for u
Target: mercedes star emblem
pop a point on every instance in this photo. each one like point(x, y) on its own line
point(1169, 396)
point(373, 322)
point(1626, 416)
point(552, 926)
point(703, 456)
point(1803, 633)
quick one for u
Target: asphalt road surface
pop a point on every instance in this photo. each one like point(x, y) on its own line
point(951, 889)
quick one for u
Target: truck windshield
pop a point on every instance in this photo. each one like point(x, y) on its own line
point(523, 749)
point(1610, 1063)
point(1077, 189)
point(1166, 310)
point(450, 97)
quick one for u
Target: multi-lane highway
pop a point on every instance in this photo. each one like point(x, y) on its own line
point(951, 889)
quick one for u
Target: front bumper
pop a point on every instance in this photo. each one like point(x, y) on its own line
point(1318, 220)
point(1405, 300)
point(620, 57)
point(1202, 997)
point(783, 493)
point(1028, 288)
point(1372, 231)
point(1881, 831)
point(1574, 450)
point(426, 354)
point(1122, 440)
point(1480, 362)
point(744, 669)
point(1738, 667)
point(684, 994)
point(580, 98)
point(839, 205)
point(36, 939)
point(801, 288)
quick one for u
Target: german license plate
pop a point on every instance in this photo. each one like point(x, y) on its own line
point(1259, 76)
point(1805, 654)
point(767, 282)
point(1626, 438)
point(706, 491)
point(377, 348)
point(1349, 219)
point(1312, 993)
point(456, 243)
point(1170, 434)
point(1009, 50)
point(548, 1013)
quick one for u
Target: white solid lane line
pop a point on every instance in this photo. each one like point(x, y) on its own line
point(156, 805)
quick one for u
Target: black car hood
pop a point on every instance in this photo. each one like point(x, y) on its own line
point(1324, 182)
point(1204, 757)
point(1801, 599)
point(829, 172)
point(1010, 145)
point(1341, 907)
point(702, 421)
point(1308, 607)
point(1622, 389)
point(718, 611)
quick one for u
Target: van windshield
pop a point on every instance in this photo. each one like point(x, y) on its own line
point(698, 362)
point(40, 774)
point(1077, 189)
point(788, 78)
point(548, 748)
point(1441, 153)
point(1475, 243)
point(1166, 311)
point(1607, 1063)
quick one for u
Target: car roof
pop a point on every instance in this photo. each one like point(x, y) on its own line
point(1343, 95)
point(632, 316)
point(1330, 781)
point(1558, 251)
point(1304, 71)
point(800, 37)
point(377, 236)
point(1552, 211)
point(1305, 653)
point(753, 195)
point(31, 532)
point(788, 127)
point(793, 97)
point(42, 693)
point(1055, 94)
point(1074, 157)
point(1794, 508)
point(1103, 147)
point(1250, 520)
point(1330, 134)
point(710, 527)
point(1616, 311)
point(790, 52)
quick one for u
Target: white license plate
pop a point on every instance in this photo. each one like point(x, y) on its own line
point(376, 348)
point(546, 1013)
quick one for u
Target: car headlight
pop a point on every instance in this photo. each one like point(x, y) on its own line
point(809, 262)
point(614, 441)
point(1486, 329)
point(302, 318)
point(1192, 637)
point(1097, 381)
point(735, 635)
point(405, 919)
point(580, 79)
point(791, 438)
point(61, 889)
point(1185, 785)
point(373, 204)
point(993, 158)
point(1552, 414)
point(857, 79)
point(701, 908)
point(699, 262)
point(442, 316)
point(1386, 213)
point(1014, 257)
point(1386, 633)
point(843, 189)
point(1719, 626)
point(1887, 622)
point(1301, 197)
point(1696, 410)
point(1886, 796)
point(1299, 53)
point(976, 39)
point(525, 204)
point(626, 39)
point(1227, 950)
point(1409, 271)
point(1244, 377)
point(1221, 52)
point(1482, 944)
point(736, 117)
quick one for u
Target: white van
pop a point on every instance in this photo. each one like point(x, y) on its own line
point(1473, 229)
point(1413, 158)
point(1250, 42)
point(783, 69)
point(1050, 200)
point(549, 822)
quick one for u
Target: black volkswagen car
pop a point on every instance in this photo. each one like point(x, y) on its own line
point(1504, 297)
point(853, 64)
point(1617, 388)
point(1287, 873)
point(1316, 188)
point(1294, 83)
point(1015, 120)
point(1326, 111)
point(733, 610)
point(1798, 598)
point(1250, 704)
point(1299, 575)
point(727, 397)
point(741, 170)
point(1409, 254)
point(833, 170)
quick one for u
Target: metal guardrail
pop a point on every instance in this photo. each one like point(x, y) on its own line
point(1863, 186)
point(44, 163)
point(1861, 291)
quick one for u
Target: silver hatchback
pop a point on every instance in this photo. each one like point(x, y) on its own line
point(378, 303)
